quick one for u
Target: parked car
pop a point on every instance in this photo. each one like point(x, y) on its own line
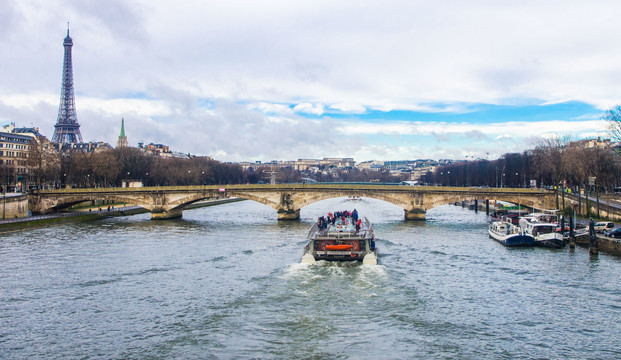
point(604, 226)
point(616, 233)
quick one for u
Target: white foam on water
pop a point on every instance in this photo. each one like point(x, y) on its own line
point(296, 270)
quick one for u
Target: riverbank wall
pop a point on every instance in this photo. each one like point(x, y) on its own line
point(33, 222)
point(14, 206)
point(604, 243)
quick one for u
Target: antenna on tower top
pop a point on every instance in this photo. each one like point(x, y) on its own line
point(67, 27)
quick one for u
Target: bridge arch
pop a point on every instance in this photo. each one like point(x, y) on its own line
point(66, 202)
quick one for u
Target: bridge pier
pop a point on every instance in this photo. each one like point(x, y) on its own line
point(166, 214)
point(288, 214)
point(415, 214)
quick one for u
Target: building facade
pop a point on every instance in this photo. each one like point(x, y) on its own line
point(14, 164)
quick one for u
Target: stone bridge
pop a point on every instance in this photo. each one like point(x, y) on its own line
point(286, 199)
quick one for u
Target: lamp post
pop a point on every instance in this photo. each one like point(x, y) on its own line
point(517, 180)
point(6, 183)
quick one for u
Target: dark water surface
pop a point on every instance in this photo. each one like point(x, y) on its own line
point(225, 282)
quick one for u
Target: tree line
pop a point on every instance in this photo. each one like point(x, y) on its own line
point(110, 168)
point(555, 162)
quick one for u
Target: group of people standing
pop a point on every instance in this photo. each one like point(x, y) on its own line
point(331, 218)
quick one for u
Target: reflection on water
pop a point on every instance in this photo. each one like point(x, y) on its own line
point(226, 282)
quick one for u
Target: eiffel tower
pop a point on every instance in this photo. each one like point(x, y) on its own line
point(67, 129)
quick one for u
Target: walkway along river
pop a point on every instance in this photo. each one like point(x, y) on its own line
point(226, 282)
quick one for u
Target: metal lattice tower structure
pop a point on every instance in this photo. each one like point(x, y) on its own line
point(67, 129)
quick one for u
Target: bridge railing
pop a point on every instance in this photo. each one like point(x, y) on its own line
point(291, 187)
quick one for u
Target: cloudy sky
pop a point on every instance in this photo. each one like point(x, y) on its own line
point(262, 80)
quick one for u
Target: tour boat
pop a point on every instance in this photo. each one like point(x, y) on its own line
point(341, 241)
point(509, 234)
point(544, 233)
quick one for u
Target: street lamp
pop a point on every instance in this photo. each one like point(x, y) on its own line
point(517, 180)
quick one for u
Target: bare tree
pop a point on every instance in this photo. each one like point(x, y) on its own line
point(105, 167)
point(613, 119)
point(43, 161)
point(548, 164)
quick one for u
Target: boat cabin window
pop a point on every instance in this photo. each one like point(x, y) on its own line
point(546, 229)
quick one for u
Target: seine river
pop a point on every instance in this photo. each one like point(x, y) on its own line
point(225, 282)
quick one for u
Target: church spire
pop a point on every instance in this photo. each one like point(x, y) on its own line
point(122, 138)
point(122, 127)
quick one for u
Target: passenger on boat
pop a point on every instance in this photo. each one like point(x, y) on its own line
point(322, 223)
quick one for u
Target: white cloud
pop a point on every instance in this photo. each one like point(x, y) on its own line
point(284, 61)
point(269, 108)
point(307, 108)
point(516, 128)
point(349, 107)
point(139, 107)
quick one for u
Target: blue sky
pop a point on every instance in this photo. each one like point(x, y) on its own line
point(246, 80)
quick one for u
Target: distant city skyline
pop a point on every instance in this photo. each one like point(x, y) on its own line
point(246, 81)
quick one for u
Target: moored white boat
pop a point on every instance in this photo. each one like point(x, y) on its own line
point(544, 233)
point(509, 234)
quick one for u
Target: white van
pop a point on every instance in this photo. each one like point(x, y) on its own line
point(604, 226)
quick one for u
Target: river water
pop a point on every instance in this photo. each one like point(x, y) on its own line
point(226, 282)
